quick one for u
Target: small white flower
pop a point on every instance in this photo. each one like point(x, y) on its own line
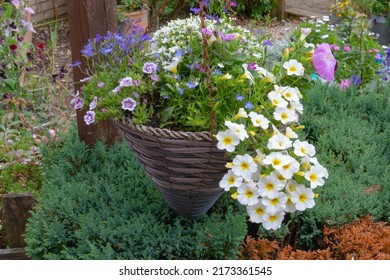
point(290, 133)
point(230, 180)
point(259, 120)
point(303, 148)
point(277, 99)
point(269, 186)
point(303, 198)
point(256, 212)
point(273, 221)
point(294, 67)
point(247, 74)
point(290, 93)
point(275, 202)
point(237, 129)
point(314, 176)
point(289, 169)
point(290, 206)
point(285, 115)
point(244, 166)
point(277, 160)
point(279, 142)
point(247, 194)
point(241, 114)
point(227, 140)
point(297, 106)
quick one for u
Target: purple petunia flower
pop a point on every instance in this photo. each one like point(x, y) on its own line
point(89, 117)
point(126, 82)
point(324, 62)
point(149, 67)
point(128, 104)
point(154, 77)
point(93, 104)
point(77, 101)
point(100, 84)
point(137, 82)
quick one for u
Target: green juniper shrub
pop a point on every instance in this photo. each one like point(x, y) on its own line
point(351, 133)
point(99, 204)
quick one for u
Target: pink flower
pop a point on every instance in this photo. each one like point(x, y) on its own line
point(344, 83)
point(347, 48)
point(52, 132)
point(324, 62)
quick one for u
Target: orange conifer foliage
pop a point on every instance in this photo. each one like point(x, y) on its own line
point(363, 239)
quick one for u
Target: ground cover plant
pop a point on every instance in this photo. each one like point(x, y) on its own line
point(99, 204)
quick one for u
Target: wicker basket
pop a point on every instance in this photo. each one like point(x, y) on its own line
point(186, 167)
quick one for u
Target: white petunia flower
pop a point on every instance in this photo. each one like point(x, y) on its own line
point(294, 67)
point(259, 120)
point(241, 114)
point(303, 198)
point(279, 142)
point(257, 212)
point(314, 176)
point(247, 74)
point(303, 148)
point(297, 106)
point(285, 115)
point(237, 129)
point(290, 93)
point(273, 221)
point(230, 180)
point(244, 166)
point(248, 194)
point(289, 169)
point(269, 186)
point(290, 133)
point(277, 100)
point(275, 203)
point(290, 206)
point(277, 160)
point(227, 140)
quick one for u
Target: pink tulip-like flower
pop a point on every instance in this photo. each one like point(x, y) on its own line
point(324, 62)
point(344, 83)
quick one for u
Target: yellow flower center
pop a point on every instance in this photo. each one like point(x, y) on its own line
point(273, 218)
point(244, 166)
point(275, 201)
point(313, 177)
point(286, 167)
point(231, 180)
point(269, 186)
point(288, 94)
point(284, 116)
point(249, 193)
point(227, 140)
point(303, 150)
point(293, 68)
point(260, 211)
point(276, 161)
point(302, 197)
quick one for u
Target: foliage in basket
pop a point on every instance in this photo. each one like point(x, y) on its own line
point(99, 204)
point(211, 75)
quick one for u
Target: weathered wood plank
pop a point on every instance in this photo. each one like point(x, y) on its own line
point(17, 209)
point(13, 254)
point(317, 8)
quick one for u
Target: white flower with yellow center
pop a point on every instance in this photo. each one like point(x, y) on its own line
point(267, 76)
point(303, 198)
point(314, 176)
point(241, 114)
point(259, 120)
point(227, 140)
point(237, 129)
point(273, 221)
point(285, 115)
point(244, 166)
point(275, 203)
point(279, 176)
point(259, 157)
point(290, 206)
point(290, 93)
point(296, 106)
point(290, 133)
point(256, 212)
point(230, 180)
point(248, 194)
point(303, 148)
point(289, 169)
point(279, 142)
point(172, 66)
point(291, 186)
point(277, 100)
point(277, 160)
point(293, 67)
point(269, 186)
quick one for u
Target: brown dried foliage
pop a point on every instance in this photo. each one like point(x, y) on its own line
point(363, 239)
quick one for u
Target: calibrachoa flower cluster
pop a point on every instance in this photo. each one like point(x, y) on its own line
point(272, 171)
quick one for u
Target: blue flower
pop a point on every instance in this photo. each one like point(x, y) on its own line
point(191, 85)
point(195, 10)
point(267, 43)
point(239, 97)
point(248, 105)
point(356, 80)
point(77, 63)
point(181, 91)
point(88, 50)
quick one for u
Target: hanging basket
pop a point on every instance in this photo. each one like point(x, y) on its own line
point(186, 167)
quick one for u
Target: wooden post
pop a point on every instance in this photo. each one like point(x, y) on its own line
point(17, 209)
point(86, 19)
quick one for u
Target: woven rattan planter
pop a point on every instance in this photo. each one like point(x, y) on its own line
point(186, 167)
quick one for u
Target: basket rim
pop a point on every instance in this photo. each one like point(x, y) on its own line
point(166, 133)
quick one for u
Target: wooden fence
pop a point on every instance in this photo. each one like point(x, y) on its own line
point(305, 8)
point(48, 9)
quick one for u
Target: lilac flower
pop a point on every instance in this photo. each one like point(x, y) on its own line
point(89, 117)
point(128, 104)
point(77, 101)
point(88, 50)
point(239, 97)
point(356, 80)
point(117, 89)
point(93, 103)
point(126, 82)
point(267, 43)
point(136, 95)
point(248, 105)
point(149, 67)
point(154, 77)
point(15, 3)
point(228, 37)
point(195, 10)
point(29, 10)
point(100, 84)
point(192, 84)
point(207, 31)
